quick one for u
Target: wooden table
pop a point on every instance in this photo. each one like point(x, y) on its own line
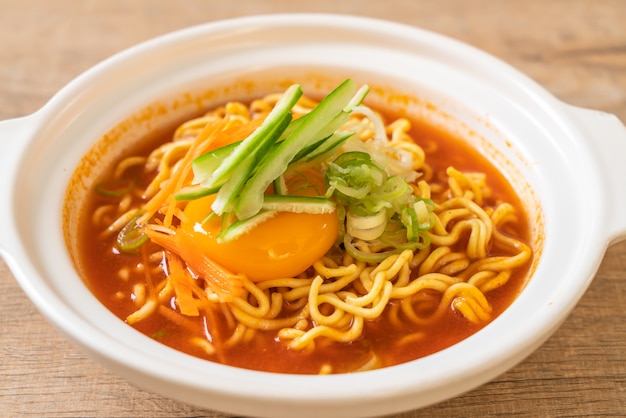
point(574, 48)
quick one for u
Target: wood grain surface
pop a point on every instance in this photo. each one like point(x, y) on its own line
point(576, 49)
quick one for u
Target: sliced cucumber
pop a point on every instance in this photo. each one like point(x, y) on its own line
point(280, 186)
point(239, 228)
point(205, 165)
point(272, 205)
point(265, 133)
point(277, 160)
point(316, 205)
point(229, 192)
point(195, 191)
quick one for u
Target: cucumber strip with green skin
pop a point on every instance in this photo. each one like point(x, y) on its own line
point(272, 205)
point(315, 205)
point(323, 153)
point(321, 138)
point(195, 191)
point(320, 146)
point(341, 118)
point(205, 165)
point(323, 150)
point(308, 149)
point(277, 160)
point(331, 126)
point(357, 99)
point(293, 126)
point(228, 193)
point(262, 135)
point(330, 144)
point(280, 186)
point(242, 227)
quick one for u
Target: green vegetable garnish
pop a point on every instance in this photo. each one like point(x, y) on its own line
point(132, 236)
point(115, 188)
point(378, 206)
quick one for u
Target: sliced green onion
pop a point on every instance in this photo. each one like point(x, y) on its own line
point(354, 175)
point(358, 183)
point(348, 192)
point(395, 190)
point(161, 333)
point(366, 227)
point(409, 219)
point(353, 158)
point(424, 214)
point(132, 236)
point(377, 257)
point(115, 188)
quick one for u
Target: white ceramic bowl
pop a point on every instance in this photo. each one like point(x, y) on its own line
point(564, 162)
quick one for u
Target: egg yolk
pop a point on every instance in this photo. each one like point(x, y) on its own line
point(283, 246)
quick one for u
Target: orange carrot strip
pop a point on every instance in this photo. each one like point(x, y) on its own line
point(233, 134)
point(165, 195)
point(186, 288)
point(178, 178)
point(183, 286)
point(224, 283)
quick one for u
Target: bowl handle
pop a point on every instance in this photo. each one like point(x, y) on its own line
point(609, 142)
point(14, 137)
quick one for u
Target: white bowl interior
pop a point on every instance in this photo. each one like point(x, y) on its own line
point(518, 126)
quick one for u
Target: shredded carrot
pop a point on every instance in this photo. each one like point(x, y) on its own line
point(233, 134)
point(165, 196)
point(188, 297)
point(183, 286)
point(224, 283)
point(208, 135)
point(213, 136)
